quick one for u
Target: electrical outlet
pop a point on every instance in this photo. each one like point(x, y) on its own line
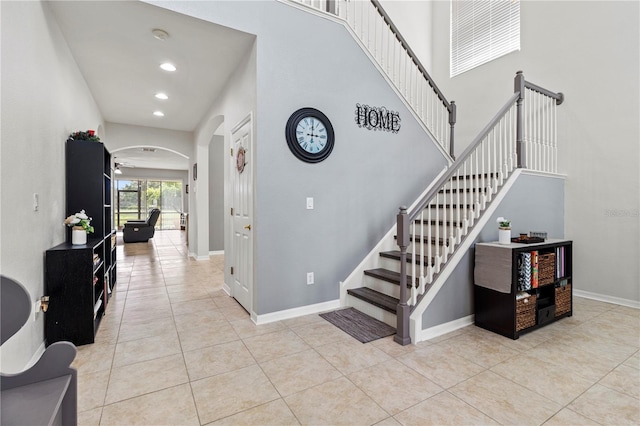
point(309, 203)
point(309, 278)
point(36, 203)
point(36, 310)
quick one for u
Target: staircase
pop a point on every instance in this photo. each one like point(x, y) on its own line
point(440, 225)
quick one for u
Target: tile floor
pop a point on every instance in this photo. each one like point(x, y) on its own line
point(174, 349)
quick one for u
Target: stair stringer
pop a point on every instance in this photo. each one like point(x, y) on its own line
point(415, 319)
point(372, 260)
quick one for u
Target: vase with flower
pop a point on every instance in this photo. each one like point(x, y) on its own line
point(80, 225)
point(504, 230)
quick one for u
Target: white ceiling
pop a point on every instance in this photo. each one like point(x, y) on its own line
point(119, 58)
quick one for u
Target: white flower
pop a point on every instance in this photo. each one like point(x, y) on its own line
point(498, 220)
point(82, 215)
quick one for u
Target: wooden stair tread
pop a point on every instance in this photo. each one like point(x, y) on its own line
point(381, 300)
point(395, 255)
point(392, 277)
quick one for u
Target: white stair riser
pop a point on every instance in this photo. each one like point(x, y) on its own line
point(373, 311)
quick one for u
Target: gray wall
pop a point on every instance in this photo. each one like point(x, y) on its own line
point(216, 193)
point(589, 50)
point(357, 190)
point(44, 99)
point(534, 203)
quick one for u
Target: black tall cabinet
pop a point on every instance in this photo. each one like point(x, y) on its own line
point(81, 278)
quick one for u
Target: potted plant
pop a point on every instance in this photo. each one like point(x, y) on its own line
point(504, 230)
point(89, 135)
point(80, 225)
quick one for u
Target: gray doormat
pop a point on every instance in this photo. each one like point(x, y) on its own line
point(361, 326)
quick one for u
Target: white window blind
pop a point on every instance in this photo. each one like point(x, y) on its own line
point(482, 30)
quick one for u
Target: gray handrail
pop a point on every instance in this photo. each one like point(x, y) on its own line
point(454, 167)
point(405, 218)
point(451, 106)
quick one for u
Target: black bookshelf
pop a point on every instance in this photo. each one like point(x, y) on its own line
point(81, 278)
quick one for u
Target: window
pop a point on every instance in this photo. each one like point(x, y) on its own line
point(481, 31)
point(137, 197)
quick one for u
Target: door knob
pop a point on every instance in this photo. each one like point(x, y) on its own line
point(247, 227)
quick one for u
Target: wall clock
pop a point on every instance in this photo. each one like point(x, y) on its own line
point(309, 135)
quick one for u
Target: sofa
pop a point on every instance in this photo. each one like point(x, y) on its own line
point(139, 231)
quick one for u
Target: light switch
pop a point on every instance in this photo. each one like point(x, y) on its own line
point(309, 203)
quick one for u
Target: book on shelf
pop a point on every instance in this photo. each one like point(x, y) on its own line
point(534, 269)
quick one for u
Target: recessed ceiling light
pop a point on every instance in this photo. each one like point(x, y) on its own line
point(158, 113)
point(162, 96)
point(168, 66)
point(160, 34)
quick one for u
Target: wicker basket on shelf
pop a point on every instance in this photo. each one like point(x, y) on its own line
point(563, 299)
point(526, 312)
point(546, 268)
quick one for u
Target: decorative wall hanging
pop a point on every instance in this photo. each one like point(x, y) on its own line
point(309, 135)
point(240, 159)
point(377, 118)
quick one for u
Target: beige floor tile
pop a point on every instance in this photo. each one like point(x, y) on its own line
point(391, 348)
point(624, 379)
point(567, 417)
point(144, 295)
point(92, 388)
point(587, 364)
point(440, 365)
point(145, 377)
point(394, 386)
point(217, 359)
point(337, 402)
point(272, 413)
point(202, 336)
point(173, 406)
point(559, 383)
point(302, 370)
point(303, 320)
point(351, 356)
point(197, 319)
point(479, 350)
point(90, 417)
point(633, 361)
point(449, 335)
point(134, 330)
point(188, 294)
point(274, 345)
point(232, 313)
point(389, 421)
point(626, 310)
point(443, 409)
point(322, 333)
point(607, 406)
point(95, 357)
point(230, 393)
point(247, 328)
point(505, 401)
point(146, 349)
point(598, 344)
point(191, 306)
point(149, 312)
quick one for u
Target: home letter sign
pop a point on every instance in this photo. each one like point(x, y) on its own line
point(377, 118)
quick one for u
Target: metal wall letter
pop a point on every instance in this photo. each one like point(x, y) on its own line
point(377, 118)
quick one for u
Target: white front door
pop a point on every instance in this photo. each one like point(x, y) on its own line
point(242, 213)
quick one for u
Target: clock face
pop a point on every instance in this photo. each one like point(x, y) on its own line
point(309, 135)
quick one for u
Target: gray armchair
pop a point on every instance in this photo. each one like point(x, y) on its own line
point(137, 231)
point(45, 393)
